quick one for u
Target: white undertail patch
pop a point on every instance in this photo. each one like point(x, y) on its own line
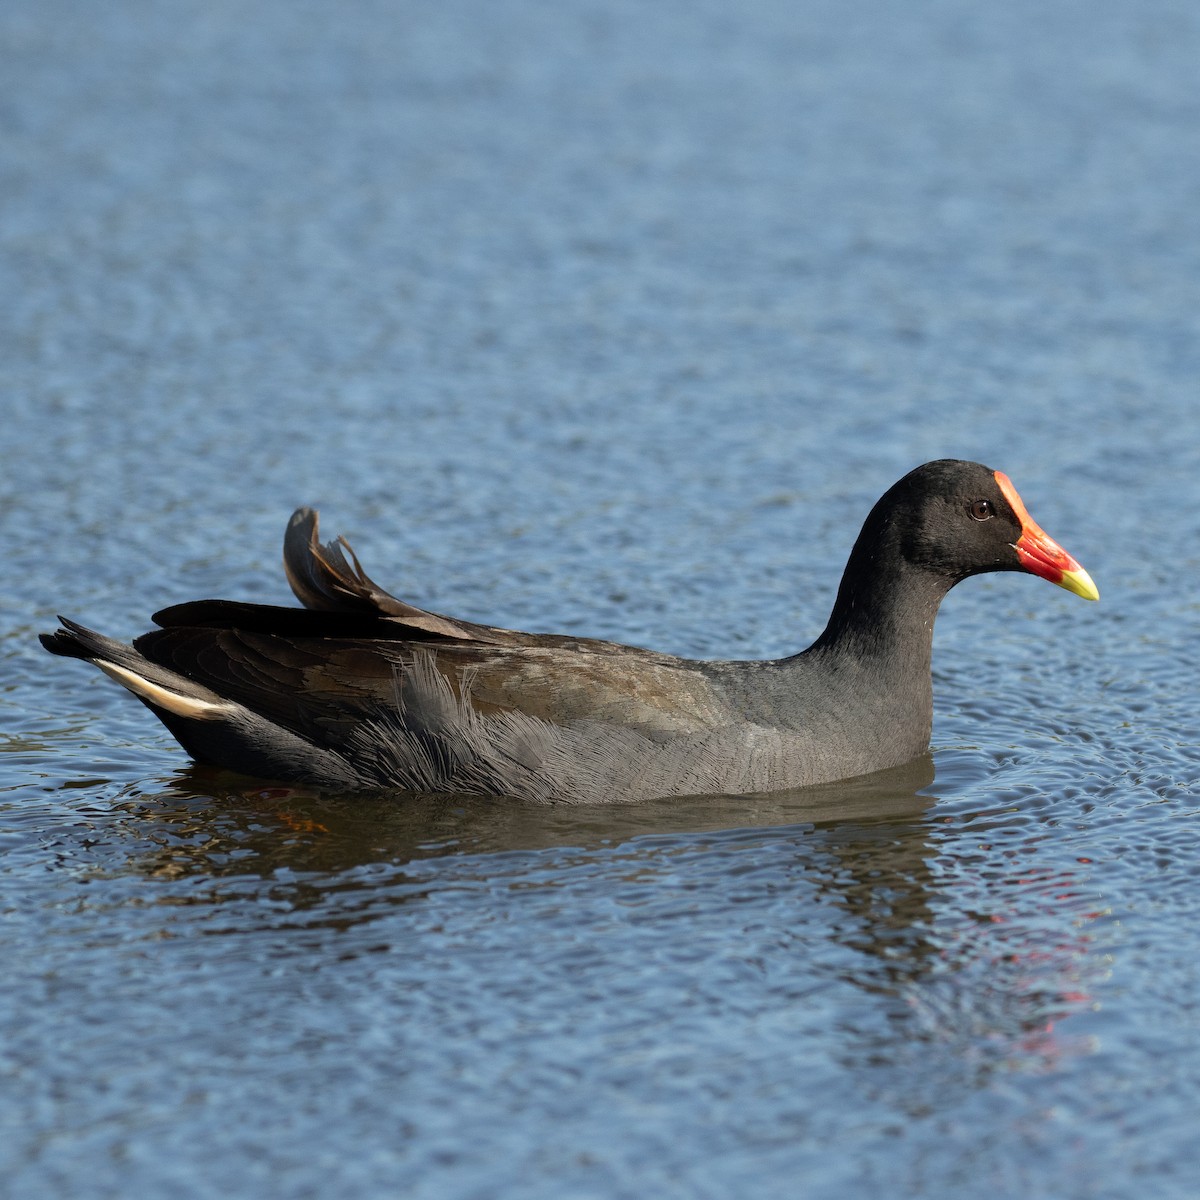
point(161, 697)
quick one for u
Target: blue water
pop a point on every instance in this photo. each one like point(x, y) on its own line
point(613, 319)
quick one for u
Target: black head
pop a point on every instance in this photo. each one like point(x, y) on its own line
point(955, 519)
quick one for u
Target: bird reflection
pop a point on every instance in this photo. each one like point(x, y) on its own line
point(213, 824)
point(902, 914)
point(221, 830)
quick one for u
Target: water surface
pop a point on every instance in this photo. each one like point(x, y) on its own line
point(615, 320)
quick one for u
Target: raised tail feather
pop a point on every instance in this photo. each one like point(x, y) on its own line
point(323, 579)
point(319, 574)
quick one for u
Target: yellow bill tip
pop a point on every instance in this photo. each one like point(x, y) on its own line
point(1079, 582)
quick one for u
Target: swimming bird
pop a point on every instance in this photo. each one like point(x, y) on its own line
point(360, 690)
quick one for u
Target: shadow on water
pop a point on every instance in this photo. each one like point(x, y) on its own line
point(212, 824)
point(856, 879)
point(861, 845)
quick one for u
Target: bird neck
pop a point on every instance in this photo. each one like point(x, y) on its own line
point(885, 609)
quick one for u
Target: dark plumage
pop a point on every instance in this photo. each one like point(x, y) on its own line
point(360, 690)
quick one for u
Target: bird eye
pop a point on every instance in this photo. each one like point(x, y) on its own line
point(982, 510)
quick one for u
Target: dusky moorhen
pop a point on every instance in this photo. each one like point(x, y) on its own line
point(359, 690)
